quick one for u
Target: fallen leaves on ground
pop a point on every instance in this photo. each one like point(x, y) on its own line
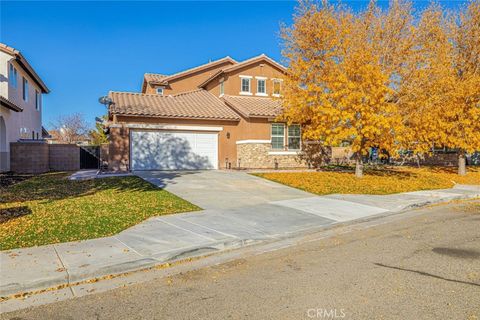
point(376, 181)
point(55, 209)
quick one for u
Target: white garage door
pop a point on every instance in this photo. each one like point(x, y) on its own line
point(167, 150)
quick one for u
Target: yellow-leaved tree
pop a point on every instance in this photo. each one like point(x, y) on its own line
point(440, 87)
point(344, 73)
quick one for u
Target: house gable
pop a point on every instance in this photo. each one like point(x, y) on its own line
point(185, 80)
point(260, 68)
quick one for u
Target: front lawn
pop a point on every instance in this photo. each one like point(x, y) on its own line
point(376, 181)
point(50, 208)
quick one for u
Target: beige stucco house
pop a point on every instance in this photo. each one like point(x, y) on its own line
point(21, 92)
point(223, 114)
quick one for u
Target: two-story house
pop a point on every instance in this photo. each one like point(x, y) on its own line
point(21, 92)
point(222, 114)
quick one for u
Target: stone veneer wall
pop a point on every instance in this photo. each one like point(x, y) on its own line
point(256, 156)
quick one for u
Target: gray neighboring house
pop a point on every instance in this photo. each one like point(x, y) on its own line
point(21, 92)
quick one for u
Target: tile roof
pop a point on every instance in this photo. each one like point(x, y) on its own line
point(197, 104)
point(154, 77)
point(253, 60)
point(160, 78)
point(255, 107)
point(24, 63)
point(9, 104)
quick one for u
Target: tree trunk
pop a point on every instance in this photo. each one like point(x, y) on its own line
point(462, 163)
point(358, 166)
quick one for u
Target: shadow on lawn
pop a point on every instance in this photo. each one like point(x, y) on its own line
point(56, 186)
point(8, 214)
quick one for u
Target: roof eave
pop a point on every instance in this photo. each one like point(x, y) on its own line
point(209, 79)
point(193, 70)
point(174, 117)
point(28, 68)
point(9, 105)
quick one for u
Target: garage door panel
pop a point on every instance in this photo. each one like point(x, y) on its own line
point(163, 150)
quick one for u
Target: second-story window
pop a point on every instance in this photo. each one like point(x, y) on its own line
point(160, 91)
point(38, 100)
point(222, 87)
point(261, 86)
point(25, 89)
point(245, 85)
point(13, 76)
point(277, 87)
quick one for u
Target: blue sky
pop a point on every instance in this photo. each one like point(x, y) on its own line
point(84, 49)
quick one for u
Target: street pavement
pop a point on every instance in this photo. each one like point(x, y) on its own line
point(240, 210)
point(421, 264)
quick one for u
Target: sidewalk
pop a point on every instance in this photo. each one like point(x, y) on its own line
point(169, 238)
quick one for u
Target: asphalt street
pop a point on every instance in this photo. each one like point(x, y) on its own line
point(421, 267)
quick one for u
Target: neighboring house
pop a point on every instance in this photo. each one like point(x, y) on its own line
point(56, 137)
point(21, 92)
point(219, 115)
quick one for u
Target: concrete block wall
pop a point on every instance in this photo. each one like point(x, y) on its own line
point(29, 157)
point(39, 157)
point(64, 157)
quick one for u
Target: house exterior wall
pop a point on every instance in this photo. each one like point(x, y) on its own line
point(189, 82)
point(229, 152)
point(119, 145)
point(255, 155)
point(29, 118)
point(261, 156)
point(232, 80)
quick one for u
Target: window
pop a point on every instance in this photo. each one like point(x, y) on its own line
point(261, 86)
point(245, 85)
point(23, 133)
point(25, 89)
point(13, 76)
point(160, 91)
point(294, 137)
point(222, 88)
point(278, 136)
point(277, 85)
point(38, 99)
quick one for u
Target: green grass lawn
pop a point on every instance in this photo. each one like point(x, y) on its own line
point(50, 208)
point(376, 181)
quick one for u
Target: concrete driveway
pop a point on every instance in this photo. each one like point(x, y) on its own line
point(239, 209)
point(221, 189)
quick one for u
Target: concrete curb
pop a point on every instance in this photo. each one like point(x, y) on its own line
point(66, 277)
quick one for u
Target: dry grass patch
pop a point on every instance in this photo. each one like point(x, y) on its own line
point(376, 181)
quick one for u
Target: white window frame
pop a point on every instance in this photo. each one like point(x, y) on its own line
point(276, 136)
point(159, 90)
point(25, 89)
point(279, 81)
point(222, 87)
point(249, 79)
point(13, 76)
point(299, 137)
point(259, 93)
point(38, 100)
